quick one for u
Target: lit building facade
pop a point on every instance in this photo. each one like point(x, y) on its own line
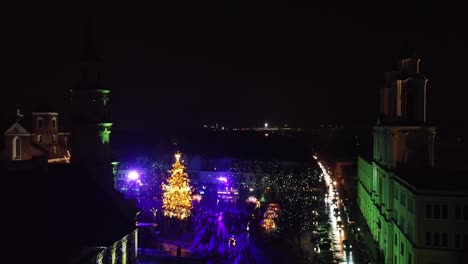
point(416, 212)
point(45, 140)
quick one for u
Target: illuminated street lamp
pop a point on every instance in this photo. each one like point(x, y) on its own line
point(133, 175)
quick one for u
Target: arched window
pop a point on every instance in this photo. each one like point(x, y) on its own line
point(39, 138)
point(16, 148)
point(40, 122)
point(54, 122)
point(55, 149)
point(54, 138)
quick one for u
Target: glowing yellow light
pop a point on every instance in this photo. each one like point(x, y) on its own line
point(177, 197)
point(268, 224)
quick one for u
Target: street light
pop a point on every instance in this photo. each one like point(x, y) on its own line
point(133, 175)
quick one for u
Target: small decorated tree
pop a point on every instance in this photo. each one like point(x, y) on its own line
point(177, 197)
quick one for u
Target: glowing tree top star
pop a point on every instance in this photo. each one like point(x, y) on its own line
point(177, 197)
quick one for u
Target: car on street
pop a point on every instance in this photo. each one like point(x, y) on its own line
point(336, 211)
point(347, 245)
point(324, 246)
point(340, 225)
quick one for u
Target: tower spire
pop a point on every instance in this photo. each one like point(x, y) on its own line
point(90, 61)
point(88, 52)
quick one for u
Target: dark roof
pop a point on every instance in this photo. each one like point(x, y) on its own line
point(62, 209)
point(366, 155)
point(434, 179)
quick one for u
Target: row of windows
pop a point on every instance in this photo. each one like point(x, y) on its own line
point(440, 239)
point(54, 138)
point(440, 211)
point(40, 122)
point(404, 200)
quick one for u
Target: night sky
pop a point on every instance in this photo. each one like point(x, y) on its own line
point(231, 63)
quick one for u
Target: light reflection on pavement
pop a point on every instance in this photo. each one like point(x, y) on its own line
point(337, 236)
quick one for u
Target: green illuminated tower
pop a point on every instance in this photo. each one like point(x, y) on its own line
point(90, 114)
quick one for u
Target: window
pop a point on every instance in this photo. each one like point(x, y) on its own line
point(40, 122)
point(444, 211)
point(436, 239)
point(402, 223)
point(458, 211)
point(428, 239)
point(444, 240)
point(410, 258)
point(54, 138)
point(54, 122)
point(402, 249)
point(403, 198)
point(457, 241)
point(428, 211)
point(16, 148)
point(396, 239)
point(436, 211)
point(411, 204)
point(395, 193)
point(55, 149)
point(38, 138)
point(409, 231)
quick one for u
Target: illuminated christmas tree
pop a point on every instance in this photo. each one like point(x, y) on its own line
point(177, 197)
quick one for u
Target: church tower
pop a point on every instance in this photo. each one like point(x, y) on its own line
point(402, 137)
point(90, 113)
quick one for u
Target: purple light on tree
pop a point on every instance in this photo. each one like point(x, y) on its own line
point(133, 175)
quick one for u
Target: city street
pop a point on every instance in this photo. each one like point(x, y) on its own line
point(339, 231)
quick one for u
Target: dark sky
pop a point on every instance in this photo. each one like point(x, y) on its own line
point(234, 63)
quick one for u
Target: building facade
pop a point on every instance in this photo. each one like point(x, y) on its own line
point(416, 211)
point(43, 139)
